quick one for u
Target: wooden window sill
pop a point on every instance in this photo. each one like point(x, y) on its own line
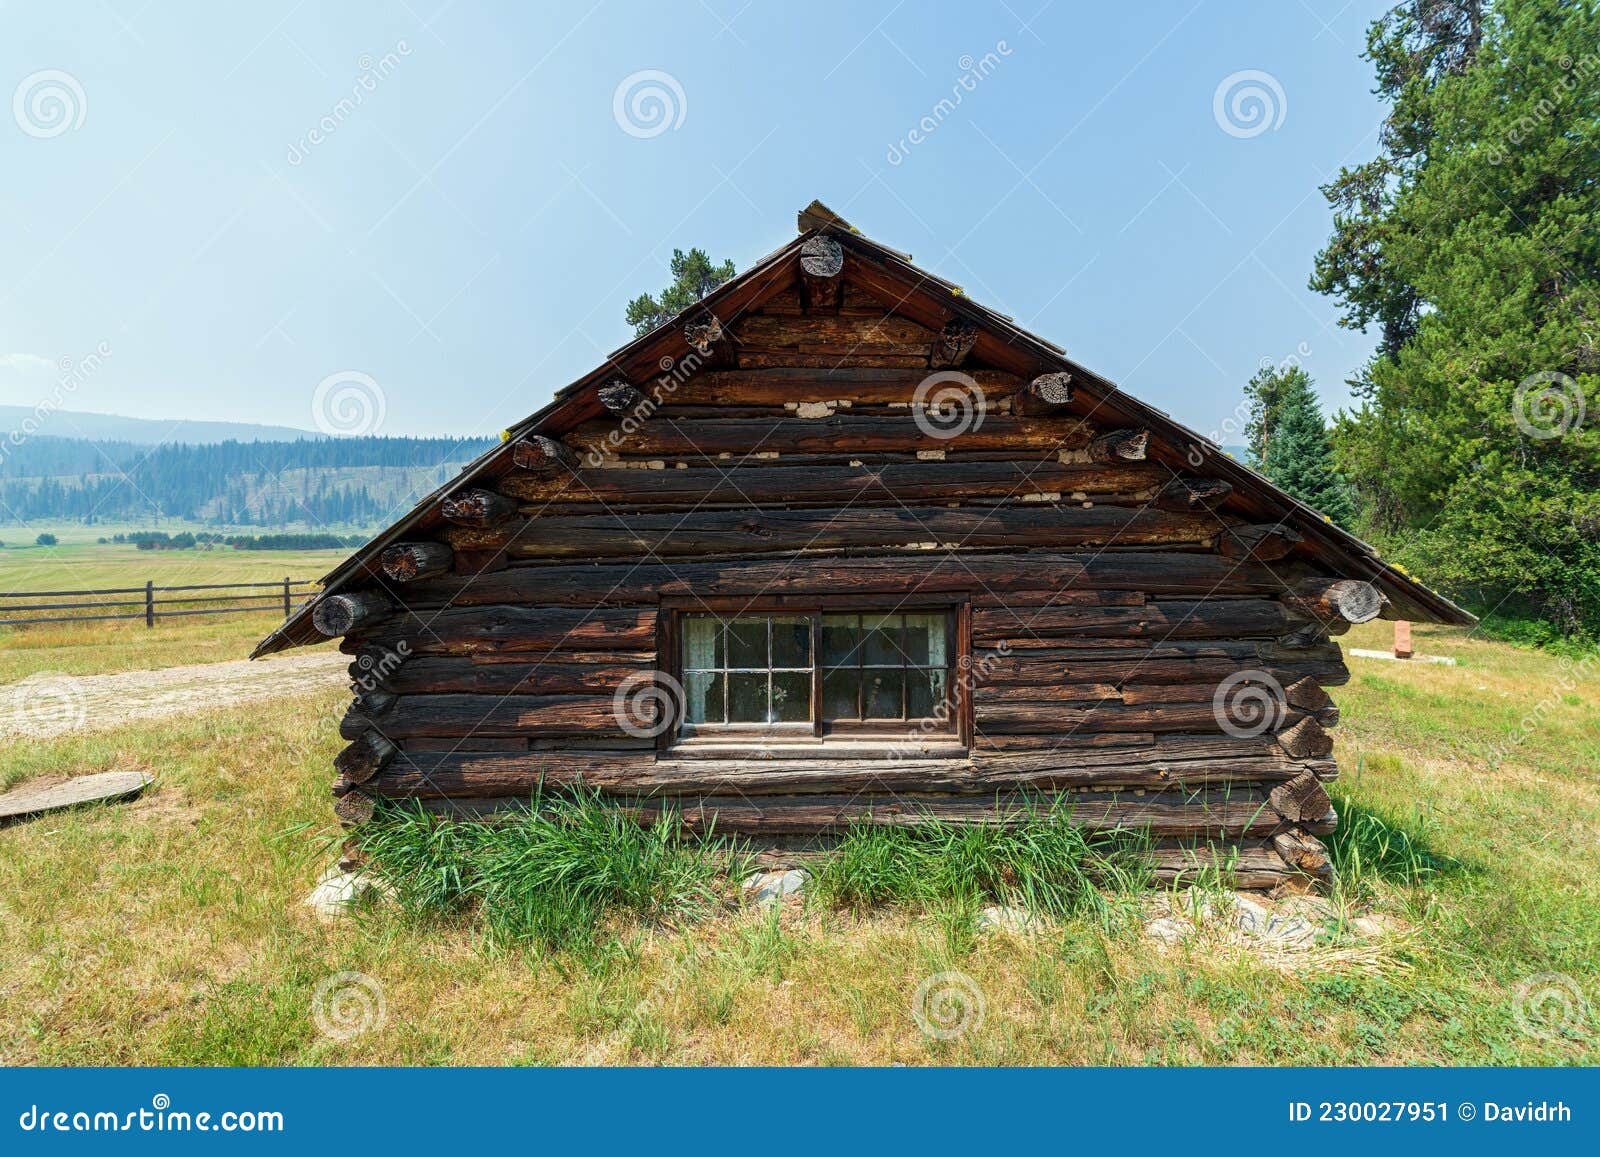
point(809, 747)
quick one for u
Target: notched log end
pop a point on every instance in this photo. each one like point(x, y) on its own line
point(340, 614)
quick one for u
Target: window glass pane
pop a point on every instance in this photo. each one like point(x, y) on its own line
point(747, 698)
point(703, 689)
point(882, 644)
point(841, 689)
point(841, 640)
point(925, 690)
point(747, 643)
point(702, 642)
point(925, 640)
point(791, 696)
point(883, 693)
point(791, 641)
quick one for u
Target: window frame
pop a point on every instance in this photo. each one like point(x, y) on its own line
point(818, 733)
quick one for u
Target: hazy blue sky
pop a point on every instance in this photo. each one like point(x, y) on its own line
point(466, 231)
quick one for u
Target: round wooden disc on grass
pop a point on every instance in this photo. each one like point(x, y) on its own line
point(111, 785)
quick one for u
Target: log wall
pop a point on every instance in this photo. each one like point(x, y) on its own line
point(1120, 613)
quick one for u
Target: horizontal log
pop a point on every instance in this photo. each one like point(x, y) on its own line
point(909, 482)
point(340, 614)
point(1340, 600)
point(1304, 853)
point(465, 630)
point(1177, 619)
point(841, 336)
point(477, 508)
point(929, 574)
point(1119, 446)
point(497, 715)
point(1166, 664)
point(526, 676)
point(410, 561)
point(953, 344)
point(778, 387)
point(1047, 393)
point(667, 435)
point(712, 532)
point(1251, 868)
point(764, 359)
point(1052, 717)
point(365, 757)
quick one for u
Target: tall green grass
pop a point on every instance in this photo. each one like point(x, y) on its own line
point(1369, 847)
point(1042, 863)
point(550, 875)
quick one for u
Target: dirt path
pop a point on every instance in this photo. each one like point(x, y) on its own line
point(53, 703)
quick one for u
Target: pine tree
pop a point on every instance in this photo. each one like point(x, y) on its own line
point(1287, 440)
point(693, 276)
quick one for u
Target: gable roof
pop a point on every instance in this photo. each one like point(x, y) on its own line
point(930, 299)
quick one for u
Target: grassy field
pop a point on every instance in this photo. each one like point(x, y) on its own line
point(171, 930)
point(79, 563)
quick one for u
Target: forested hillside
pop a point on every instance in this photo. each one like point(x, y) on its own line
point(328, 481)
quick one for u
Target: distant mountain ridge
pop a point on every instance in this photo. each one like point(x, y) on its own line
point(142, 431)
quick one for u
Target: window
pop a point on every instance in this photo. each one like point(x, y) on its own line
point(817, 673)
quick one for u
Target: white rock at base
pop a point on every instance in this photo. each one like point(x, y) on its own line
point(336, 891)
point(1169, 930)
point(771, 887)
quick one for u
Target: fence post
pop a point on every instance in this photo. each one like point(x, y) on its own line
point(150, 603)
point(287, 608)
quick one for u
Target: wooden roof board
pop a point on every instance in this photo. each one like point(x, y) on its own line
point(1341, 552)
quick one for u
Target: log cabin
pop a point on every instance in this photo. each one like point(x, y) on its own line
point(839, 545)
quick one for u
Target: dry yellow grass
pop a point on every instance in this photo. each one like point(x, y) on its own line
point(171, 930)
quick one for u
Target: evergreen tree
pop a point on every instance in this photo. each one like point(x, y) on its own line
point(1473, 242)
point(1287, 440)
point(693, 276)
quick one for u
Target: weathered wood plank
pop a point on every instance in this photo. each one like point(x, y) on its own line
point(464, 630)
point(665, 434)
point(32, 799)
point(1175, 619)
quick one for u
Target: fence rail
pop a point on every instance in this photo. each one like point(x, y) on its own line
point(150, 607)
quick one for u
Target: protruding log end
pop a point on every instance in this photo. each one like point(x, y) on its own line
point(1264, 543)
point(354, 808)
point(340, 614)
point(618, 397)
point(1120, 446)
point(479, 507)
point(1352, 600)
point(704, 336)
point(1045, 394)
point(407, 562)
point(954, 343)
point(1188, 494)
point(1303, 800)
point(365, 757)
point(821, 262)
point(1305, 739)
point(546, 455)
point(1304, 853)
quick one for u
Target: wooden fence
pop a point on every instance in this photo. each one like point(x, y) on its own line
point(149, 604)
